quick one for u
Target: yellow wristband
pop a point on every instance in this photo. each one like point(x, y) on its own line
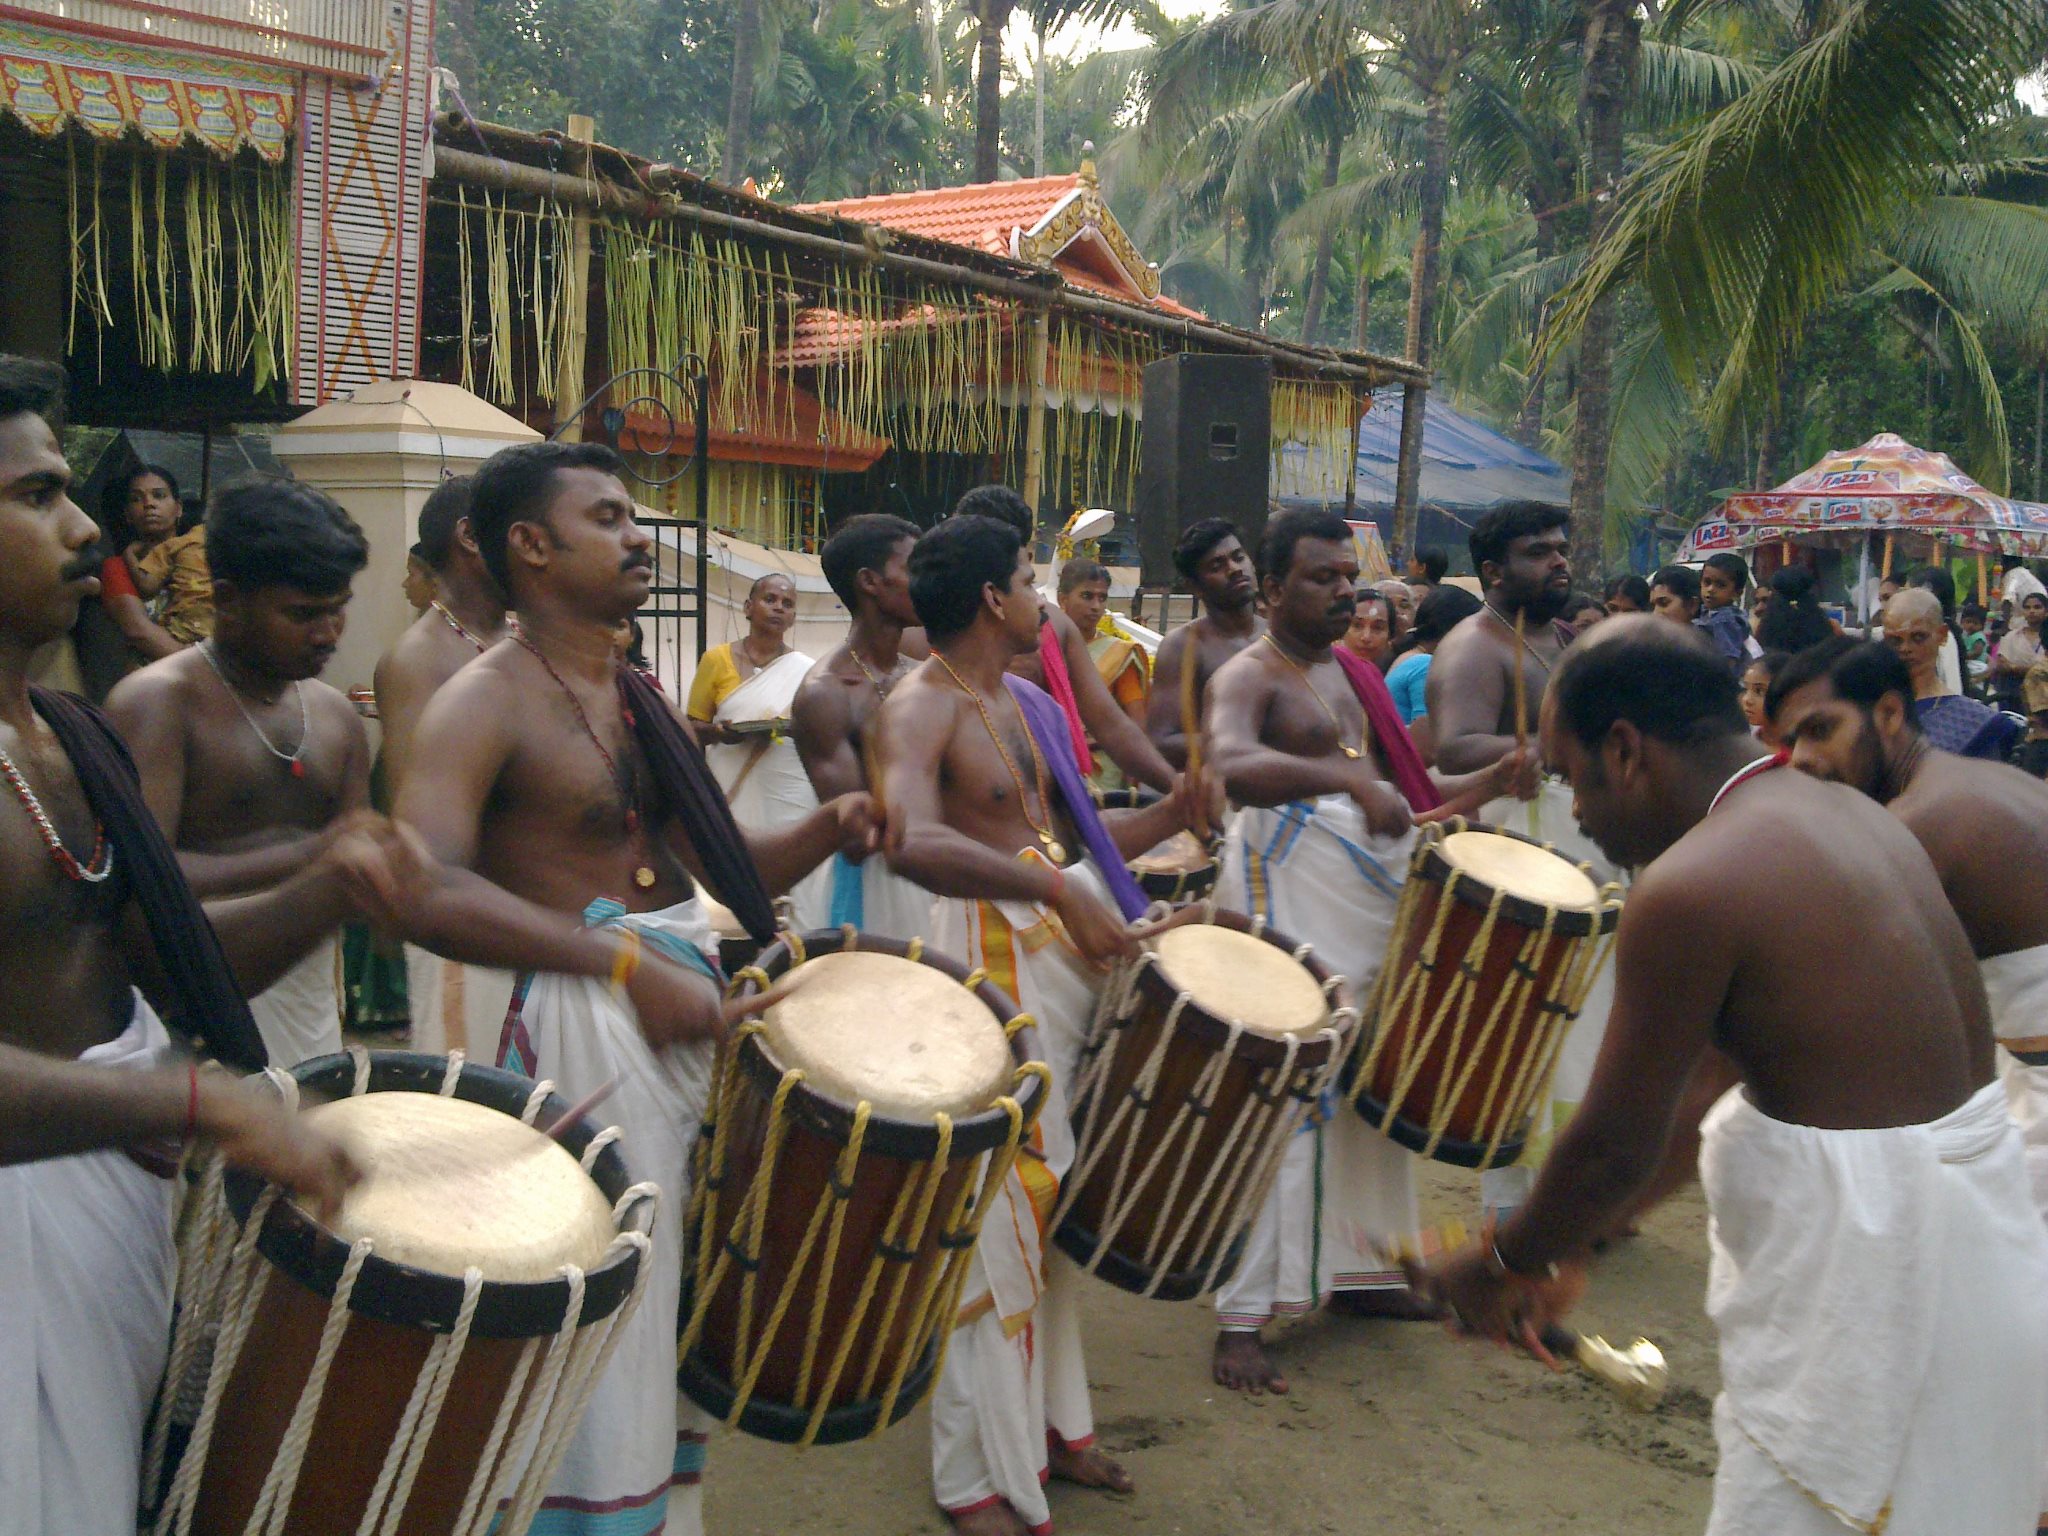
point(626, 958)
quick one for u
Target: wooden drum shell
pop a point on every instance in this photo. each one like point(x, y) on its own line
point(1249, 1079)
point(395, 1315)
point(894, 1155)
point(1495, 1086)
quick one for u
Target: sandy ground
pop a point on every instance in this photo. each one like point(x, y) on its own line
point(1391, 1429)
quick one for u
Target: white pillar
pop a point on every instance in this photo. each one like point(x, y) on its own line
point(380, 451)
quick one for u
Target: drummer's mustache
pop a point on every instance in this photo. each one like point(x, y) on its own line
point(640, 562)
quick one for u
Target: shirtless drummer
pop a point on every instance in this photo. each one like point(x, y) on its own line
point(832, 718)
point(1214, 563)
point(1319, 850)
point(985, 799)
point(1521, 550)
point(575, 857)
point(91, 948)
point(251, 763)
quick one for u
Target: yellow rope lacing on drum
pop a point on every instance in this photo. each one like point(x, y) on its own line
point(1500, 1116)
point(904, 1239)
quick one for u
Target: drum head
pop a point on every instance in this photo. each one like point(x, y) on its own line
point(1521, 869)
point(1180, 854)
point(907, 1038)
point(1241, 979)
point(448, 1184)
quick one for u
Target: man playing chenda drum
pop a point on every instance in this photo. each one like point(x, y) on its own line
point(985, 800)
point(1878, 1264)
point(98, 934)
point(1313, 751)
point(529, 768)
point(1214, 563)
point(1520, 552)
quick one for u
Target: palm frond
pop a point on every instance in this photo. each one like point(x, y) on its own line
point(1977, 393)
point(1987, 257)
point(1745, 227)
point(1676, 83)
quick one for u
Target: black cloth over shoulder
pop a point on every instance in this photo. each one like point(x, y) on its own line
point(206, 1004)
point(690, 792)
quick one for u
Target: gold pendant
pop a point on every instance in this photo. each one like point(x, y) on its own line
point(1054, 851)
point(644, 878)
point(1351, 752)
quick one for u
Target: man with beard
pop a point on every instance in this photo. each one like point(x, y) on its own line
point(576, 818)
point(867, 563)
point(1310, 746)
point(98, 934)
point(1878, 1264)
point(251, 764)
point(1520, 550)
point(1213, 563)
point(463, 617)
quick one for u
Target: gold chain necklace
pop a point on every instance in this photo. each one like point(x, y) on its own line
point(881, 688)
point(1309, 683)
point(1053, 848)
point(1527, 649)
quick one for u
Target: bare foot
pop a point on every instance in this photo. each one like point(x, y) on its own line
point(1242, 1364)
point(1398, 1304)
point(994, 1518)
point(1088, 1468)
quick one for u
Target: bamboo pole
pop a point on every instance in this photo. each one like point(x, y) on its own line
point(1034, 423)
point(574, 321)
point(574, 191)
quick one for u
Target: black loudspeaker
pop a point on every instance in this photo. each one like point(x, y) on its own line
point(1206, 451)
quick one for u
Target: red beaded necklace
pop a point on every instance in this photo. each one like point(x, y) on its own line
point(102, 862)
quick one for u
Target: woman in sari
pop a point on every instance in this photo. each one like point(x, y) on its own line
point(739, 704)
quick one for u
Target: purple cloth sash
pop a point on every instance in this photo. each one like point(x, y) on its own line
point(1048, 726)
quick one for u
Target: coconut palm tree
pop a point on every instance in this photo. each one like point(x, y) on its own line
point(1826, 176)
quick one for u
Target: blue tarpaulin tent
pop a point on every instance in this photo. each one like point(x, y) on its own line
point(1467, 467)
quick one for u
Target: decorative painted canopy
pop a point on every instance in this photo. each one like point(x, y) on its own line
point(49, 79)
point(1884, 486)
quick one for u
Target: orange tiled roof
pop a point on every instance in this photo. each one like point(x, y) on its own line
point(980, 215)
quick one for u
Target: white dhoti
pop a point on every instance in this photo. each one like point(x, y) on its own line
point(299, 1014)
point(875, 899)
point(636, 1441)
point(764, 778)
point(1312, 871)
point(87, 1266)
point(1884, 1349)
point(1548, 818)
point(2017, 985)
point(1014, 1378)
point(455, 1007)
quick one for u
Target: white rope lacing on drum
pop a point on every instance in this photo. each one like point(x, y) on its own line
point(198, 1319)
point(237, 1295)
point(225, 1279)
point(361, 1058)
point(452, 1074)
point(598, 1143)
point(422, 1416)
point(535, 1100)
point(274, 1500)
